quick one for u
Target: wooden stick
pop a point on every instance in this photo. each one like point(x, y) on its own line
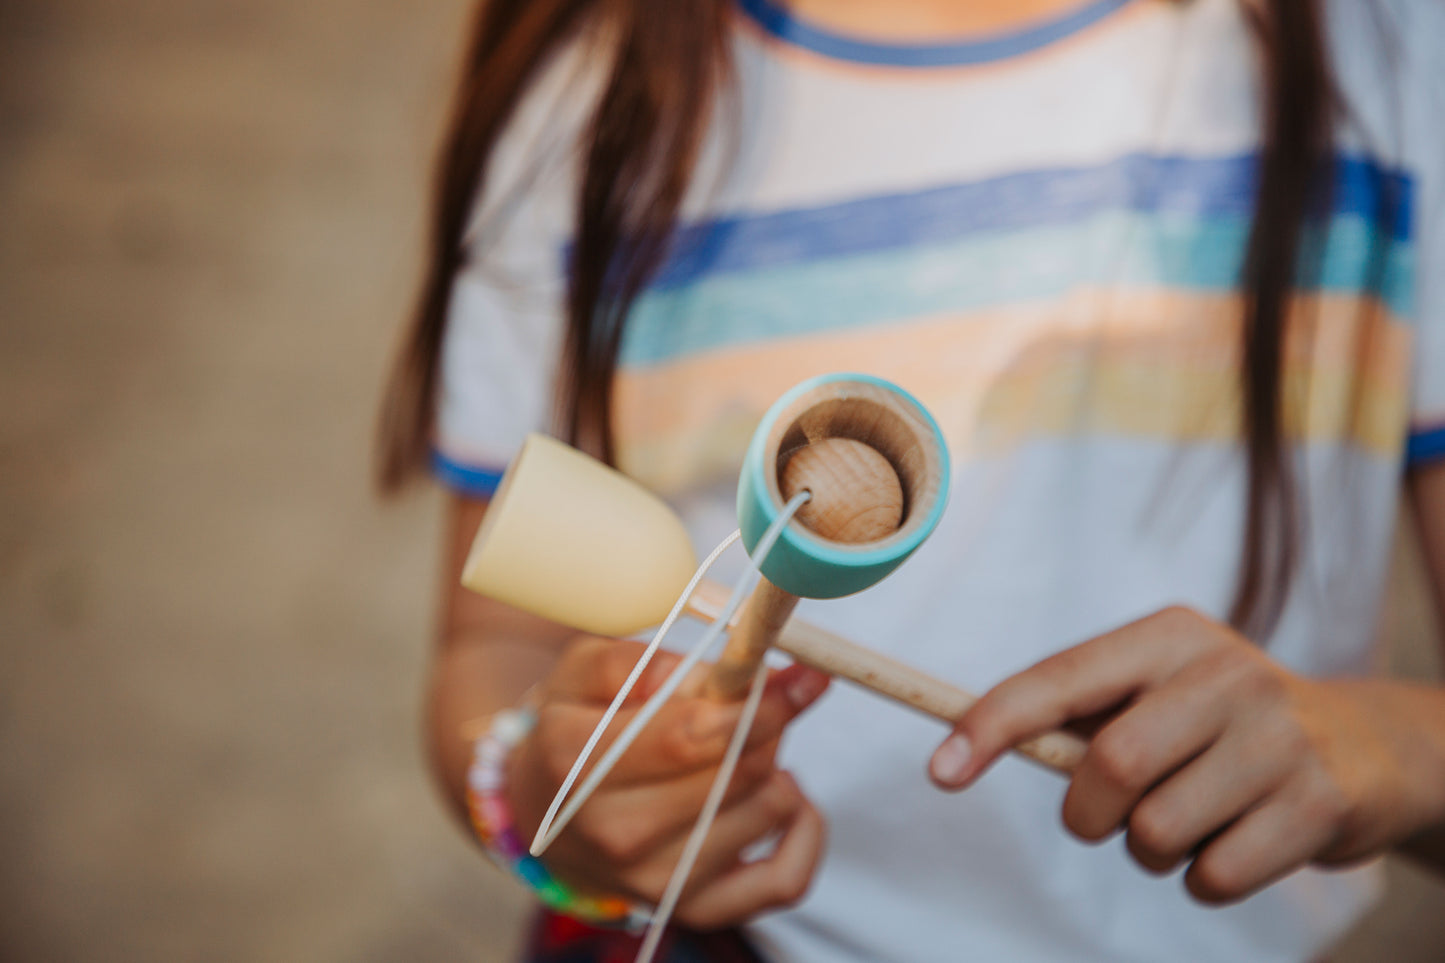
point(821, 649)
point(757, 628)
point(856, 497)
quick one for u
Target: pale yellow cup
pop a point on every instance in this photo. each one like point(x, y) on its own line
point(569, 539)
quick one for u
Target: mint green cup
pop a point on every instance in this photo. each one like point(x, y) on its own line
point(866, 409)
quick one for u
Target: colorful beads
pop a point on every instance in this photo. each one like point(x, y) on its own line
point(491, 816)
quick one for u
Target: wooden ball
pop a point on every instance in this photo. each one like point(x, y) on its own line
point(857, 496)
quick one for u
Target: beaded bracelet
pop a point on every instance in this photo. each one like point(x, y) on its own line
point(491, 816)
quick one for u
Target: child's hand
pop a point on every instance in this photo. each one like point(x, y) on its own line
point(627, 838)
point(1212, 754)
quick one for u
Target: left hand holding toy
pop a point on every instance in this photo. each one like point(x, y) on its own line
point(1212, 754)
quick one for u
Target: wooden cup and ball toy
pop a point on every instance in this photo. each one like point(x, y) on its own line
point(876, 470)
point(569, 539)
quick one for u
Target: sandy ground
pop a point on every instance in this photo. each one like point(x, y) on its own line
point(213, 635)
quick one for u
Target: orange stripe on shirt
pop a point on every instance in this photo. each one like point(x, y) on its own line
point(1160, 366)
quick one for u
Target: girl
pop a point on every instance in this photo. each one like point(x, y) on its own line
point(1169, 275)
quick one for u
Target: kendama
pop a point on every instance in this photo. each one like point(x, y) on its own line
point(572, 540)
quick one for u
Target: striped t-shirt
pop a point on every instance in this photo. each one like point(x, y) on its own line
point(1039, 235)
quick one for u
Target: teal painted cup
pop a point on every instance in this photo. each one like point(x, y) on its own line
point(867, 409)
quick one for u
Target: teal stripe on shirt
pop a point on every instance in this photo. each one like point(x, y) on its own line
point(1115, 248)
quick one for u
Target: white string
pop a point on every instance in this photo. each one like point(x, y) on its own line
point(700, 829)
point(538, 842)
point(673, 681)
point(693, 847)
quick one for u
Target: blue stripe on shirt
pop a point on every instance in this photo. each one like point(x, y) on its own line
point(1201, 187)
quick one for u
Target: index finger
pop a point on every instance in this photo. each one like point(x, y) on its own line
point(1083, 681)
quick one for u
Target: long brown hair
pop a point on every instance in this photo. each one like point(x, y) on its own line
point(670, 59)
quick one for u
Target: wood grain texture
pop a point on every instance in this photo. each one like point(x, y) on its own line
point(762, 618)
point(857, 496)
point(872, 468)
point(821, 649)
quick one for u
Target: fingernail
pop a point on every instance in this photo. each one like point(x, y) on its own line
point(805, 688)
point(950, 761)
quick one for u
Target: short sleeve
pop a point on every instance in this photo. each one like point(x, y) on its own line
point(505, 320)
point(1420, 25)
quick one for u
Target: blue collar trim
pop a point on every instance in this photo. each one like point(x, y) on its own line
point(783, 25)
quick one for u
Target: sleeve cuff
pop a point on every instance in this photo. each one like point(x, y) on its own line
point(1426, 446)
point(477, 481)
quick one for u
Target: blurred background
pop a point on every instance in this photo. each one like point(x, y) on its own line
point(213, 635)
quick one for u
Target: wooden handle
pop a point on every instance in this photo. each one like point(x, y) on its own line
point(756, 630)
point(856, 497)
point(821, 649)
